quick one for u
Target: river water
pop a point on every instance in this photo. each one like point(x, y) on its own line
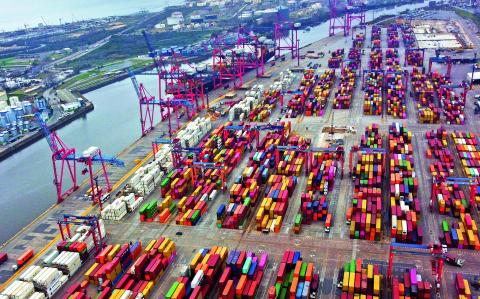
point(15, 14)
point(26, 178)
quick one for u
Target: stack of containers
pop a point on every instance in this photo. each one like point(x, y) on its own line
point(408, 36)
point(376, 36)
point(149, 211)
point(322, 175)
point(242, 109)
point(423, 89)
point(463, 287)
point(294, 277)
point(246, 189)
point(453, 106)
point(411, 285)
point(392, 36)
point(291, 163)
point(239, 275)
point(176, 183)
point(396, 100)
point(468, 151)
point(367, 199)
point(469, 154)
point(317, 101)
point(344, 93)
point(242, 275)
point(373, 99)
point(221, 147)
point(359, 41)
point(295, 104)
point(166, 208)
point(404, 204)
point(415, 58)
point(361, 281)
point(354, 54)
point(461, 234)
point(130, 271)
point(336, 60)
point(451, 200)
point(313, 208)
point(262, 111)
point(438, 149)
point(274, 205)
point(393, 61)
point(19, 289)
point(376, 59)
point(146, 178)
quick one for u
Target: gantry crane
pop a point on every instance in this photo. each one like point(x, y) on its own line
point(364, 150)
point(176, 150)
point(463, 86)
point(147, 104)
point(289, 41)
point(209, 165)
point(443, 59)
point(437, 181)
point(91, 221)
point(416, 51)
point(67, 159)
point(436, 251)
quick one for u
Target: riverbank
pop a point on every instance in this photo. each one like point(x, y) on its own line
point(32, 137)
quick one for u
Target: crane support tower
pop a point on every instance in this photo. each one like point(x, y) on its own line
point(355, 12)
point(227, 62)
point(337, 21)
point(92, 222)
point(286, 38)
point(64, 161)
point(253, 51)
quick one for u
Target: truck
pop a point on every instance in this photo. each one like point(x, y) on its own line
point(314, 286)
point(454, 261)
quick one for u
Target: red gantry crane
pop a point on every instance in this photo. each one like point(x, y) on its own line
point(436, 251)
point(64, 161)
point(91, 221)
point(286, 38)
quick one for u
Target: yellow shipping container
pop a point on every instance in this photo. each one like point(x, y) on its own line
point(150, 245)
point(376, 284)
point(345, 281)
point(351, 283)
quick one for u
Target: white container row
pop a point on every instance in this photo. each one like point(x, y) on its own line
point(19, 290)
point(68, 261)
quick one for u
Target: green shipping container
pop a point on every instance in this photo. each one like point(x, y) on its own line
point(303, 270)
point(246, 265)
point(278, 287)
point(172, 289)
point(445, 226)
point(164, 182)
point(195, 215)
point(246, 202)
point(298, 219)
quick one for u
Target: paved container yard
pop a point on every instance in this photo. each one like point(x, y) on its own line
point(329, 251)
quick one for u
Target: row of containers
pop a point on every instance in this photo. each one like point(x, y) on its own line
point(405, 206)
point(220, 273)
point(280, 187)
point(335, 61)
point(393, 41)
point(466, 144)
point(364, 216)
point(395, 86)
point(344, 92)
point(376, 37)
point(251, 185)
point(314, 201)
point(188, 190)
point(437, 97)
point(373, 98)
point(317, 101)
point(57, 267)
point(359, 279)
point(125, 270)
point(359, 41)
point(408, 36)
point(307, 84)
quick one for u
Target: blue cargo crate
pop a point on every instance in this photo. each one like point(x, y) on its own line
point(296, 257)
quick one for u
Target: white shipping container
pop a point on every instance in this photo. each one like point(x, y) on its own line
point(197, 279)
point(29, 273)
